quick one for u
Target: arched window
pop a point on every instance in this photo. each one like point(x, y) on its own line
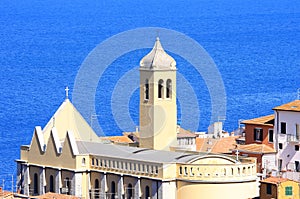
point(146, 89)
point(96, 188)
point(83, 162)
point(113, 189)
point(160, 88)
point(68, 185)
point(169, 89)
point(51, 184)
point(147, 192)
point(35, 184)
point(129, 191)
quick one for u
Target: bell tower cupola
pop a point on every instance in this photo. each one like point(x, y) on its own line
point(158, 111)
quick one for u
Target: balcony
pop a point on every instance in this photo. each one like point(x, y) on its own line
point(292, 138)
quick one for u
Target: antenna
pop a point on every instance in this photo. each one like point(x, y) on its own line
point(93, 116)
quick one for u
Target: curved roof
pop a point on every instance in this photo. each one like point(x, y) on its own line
point(158, 59)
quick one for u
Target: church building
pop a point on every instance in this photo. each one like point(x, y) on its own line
point(66, 156)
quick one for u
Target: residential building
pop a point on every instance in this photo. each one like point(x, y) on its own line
point(287, 131)
point(259, 143)
point(279, 188)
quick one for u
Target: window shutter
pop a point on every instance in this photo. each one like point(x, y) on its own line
point(261, 135)
point(254, 134)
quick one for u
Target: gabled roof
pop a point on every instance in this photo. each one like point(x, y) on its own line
point(182, 133)
point(267, 120)
point(216, 145)
point(256, 148)
point(158, 59)
point(67, 118)
point(118, 139)
point(276, 180)
point(291, 106)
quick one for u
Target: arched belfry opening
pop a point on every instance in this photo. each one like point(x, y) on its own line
point(160, 89)
point(146, 89)
point(169, 89)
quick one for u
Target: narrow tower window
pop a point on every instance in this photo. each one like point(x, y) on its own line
point(160, 88)
point(147, 89)
point(169, 89)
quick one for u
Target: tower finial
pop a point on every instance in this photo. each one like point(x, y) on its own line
point(67, 92)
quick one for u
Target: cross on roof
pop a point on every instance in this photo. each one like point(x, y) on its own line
point(67, 92)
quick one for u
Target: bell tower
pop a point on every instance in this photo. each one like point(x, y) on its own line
point(158, 111)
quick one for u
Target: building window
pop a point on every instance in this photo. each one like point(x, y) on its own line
point(297, 131)
point(169, 89)
point(280, 164)
point(296, 147)
point(283, 127)
point(289, 191)
point(113, 189)
point(258, 134)
point(93, 161)
point(160, 88)
point(129, 191)
point(271, 134)
point(35, 184)
point(83, 162)
point(147, 192)
point(269, 189)
point(280, 145)
point(97, 193)
point(297, 166)
point(146, 89)
point(51, 184)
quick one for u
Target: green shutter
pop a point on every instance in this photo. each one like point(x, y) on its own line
point(289, 191)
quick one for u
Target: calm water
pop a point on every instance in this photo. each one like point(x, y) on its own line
point(255, 45)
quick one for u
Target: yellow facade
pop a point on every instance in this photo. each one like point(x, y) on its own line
point(280, 189)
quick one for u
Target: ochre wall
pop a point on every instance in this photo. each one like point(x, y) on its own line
point(188, 190)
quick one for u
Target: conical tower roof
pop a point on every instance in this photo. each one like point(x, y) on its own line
point(158, 59)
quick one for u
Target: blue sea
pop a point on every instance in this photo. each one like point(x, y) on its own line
point(255, 45)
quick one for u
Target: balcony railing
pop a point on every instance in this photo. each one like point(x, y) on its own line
point(292, 138)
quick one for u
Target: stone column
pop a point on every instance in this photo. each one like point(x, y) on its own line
point(73, 186)
point(78, 184)
point(159, 190)
point(121, 190)
point(58, 183)
point(137, 189)
point(42, 180)
point(103, 186)
point(26, 181)
point(154, 193)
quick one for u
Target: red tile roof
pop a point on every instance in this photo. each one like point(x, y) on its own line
point(220, 145)
point(275, 180)
point(264, 120)
point(291, 106)
point(50, 195)
point(118, 139)
point(256, 148)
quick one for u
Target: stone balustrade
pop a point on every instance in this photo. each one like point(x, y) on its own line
point(217, 172)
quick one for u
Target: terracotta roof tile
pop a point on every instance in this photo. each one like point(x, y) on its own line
point(50, 195)
point(119, 139)
point(220, 145)
point(264, 120)
point(256, 148)
point(275, 180)
point(185, 133)
point(291, 106)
